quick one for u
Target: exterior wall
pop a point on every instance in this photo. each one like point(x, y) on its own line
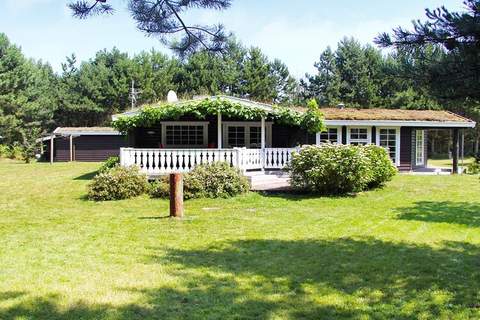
point(87, 148)
point(282, 136)
point(406, 148)
point(289, 136)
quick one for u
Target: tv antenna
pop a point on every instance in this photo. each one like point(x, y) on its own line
point(134, 93)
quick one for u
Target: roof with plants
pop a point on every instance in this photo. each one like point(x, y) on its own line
point(309, 118)
point(390, 114)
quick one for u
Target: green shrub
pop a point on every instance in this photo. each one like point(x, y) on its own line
point(382, 168)
point(117, 183)
point(473, 168)
point(14, 152)
point(160, 188)
point(4, 151)
point(216, 180)
point(110, 163)
point(330, 169)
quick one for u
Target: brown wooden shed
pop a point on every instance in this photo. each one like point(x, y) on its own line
point(83, 144)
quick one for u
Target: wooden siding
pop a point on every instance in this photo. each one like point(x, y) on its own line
point(289, 136)
point(88, 148)
point(405, 149)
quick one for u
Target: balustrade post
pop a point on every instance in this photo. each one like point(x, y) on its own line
point(122, 157)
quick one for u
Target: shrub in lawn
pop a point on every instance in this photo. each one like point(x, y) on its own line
point(4, 151)
point(216, 180)
point(110, 163)
point(330, 169)
point(160, 188)
point(117, 183)
point(11, 152)
point(382, 168)
point(474, 167)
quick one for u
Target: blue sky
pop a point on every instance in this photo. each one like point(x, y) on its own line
point(296, 31)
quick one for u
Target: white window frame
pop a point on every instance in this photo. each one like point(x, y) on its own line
point(247, 125)
point(339, 135)
point(397, 141)
point(204, 124)
point(369, 135)
point(422, 162)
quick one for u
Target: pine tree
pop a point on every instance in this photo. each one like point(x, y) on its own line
point(164, 18)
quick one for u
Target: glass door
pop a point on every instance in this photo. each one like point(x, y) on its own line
point(388, 139)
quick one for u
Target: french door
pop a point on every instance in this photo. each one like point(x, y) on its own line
point(389, 138)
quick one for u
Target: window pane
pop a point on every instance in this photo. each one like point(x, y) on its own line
point(236, 136)
point(187, 135)
point(331, 135)
point(388, 140)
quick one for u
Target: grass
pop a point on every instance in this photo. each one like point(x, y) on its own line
point(447, 163)
point(410, 250)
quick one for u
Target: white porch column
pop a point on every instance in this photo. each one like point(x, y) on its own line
point(317, 139)
point(263, 138)
point(51, 148)
point(71, 148)
point(263, 133)
point(219, 131)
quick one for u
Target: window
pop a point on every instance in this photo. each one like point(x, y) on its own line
point(255, 137)
point(419, 148)
point(359, 136)
point(245, 134)
point(331, 135)
point(236, 136)
point(184, 134)
point(387, 139)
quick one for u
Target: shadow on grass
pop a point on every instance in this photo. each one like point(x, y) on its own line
point(299, 196)
point(464, 213)
point(154, 218)
point(86, 176)
point(6, 295)
point(311, 279)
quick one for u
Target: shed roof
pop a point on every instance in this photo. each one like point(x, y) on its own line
point(92, 131)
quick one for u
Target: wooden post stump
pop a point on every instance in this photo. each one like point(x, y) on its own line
point(176, 195)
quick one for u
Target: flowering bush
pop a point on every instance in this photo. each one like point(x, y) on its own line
point(216, 180)
point(339, 169)
point(110, 163)
point(382, 167)
point(117, 183)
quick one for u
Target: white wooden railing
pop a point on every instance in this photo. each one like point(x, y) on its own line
point(164, 161)
point(277, 158)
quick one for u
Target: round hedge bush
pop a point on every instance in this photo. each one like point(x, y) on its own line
point(216, 180)
point(382, 167)
point(117, 183)
point(332, 169)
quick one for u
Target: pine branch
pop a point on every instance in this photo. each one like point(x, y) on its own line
point(163, 19)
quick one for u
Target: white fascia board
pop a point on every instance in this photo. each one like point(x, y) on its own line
point(80, 133)
point(83, 133)
point(400, 123)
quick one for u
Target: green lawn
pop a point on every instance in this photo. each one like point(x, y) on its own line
point(411, 250)
point(447, 163)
